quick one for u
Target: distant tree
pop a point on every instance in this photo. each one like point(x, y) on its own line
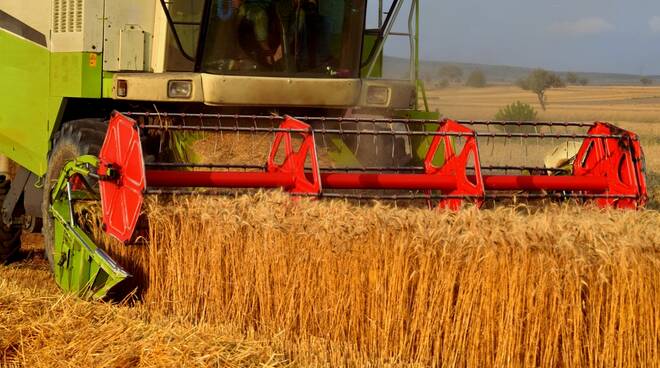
point(559, 83)
point(583, 81)
point(646, 81)
point(442, 84)
point(451, 73)
point(572, 78)
point(476, 79)
point(523, 83)
point(517, 112)
point(539, 81)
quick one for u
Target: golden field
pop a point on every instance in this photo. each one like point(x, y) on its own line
point(573, 103)
point(265, 281)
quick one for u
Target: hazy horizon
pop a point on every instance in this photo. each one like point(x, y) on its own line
point(461, 62)
point(603, 36)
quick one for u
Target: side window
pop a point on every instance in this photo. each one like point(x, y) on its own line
point(186, 17)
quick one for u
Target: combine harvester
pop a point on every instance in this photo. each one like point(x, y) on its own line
point(304, 76)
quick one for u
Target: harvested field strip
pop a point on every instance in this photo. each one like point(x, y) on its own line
point(42, 328)
point(561, 286)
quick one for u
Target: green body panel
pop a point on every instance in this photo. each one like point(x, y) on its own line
point(76, 74)
point(107, 84)
point(36, 84)
point(341, 154)
point(368, 44)
point(81, 267)
point(26, 108)
point(181, 145)
point(422, 144)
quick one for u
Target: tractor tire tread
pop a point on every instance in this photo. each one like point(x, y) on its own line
point(75, 138)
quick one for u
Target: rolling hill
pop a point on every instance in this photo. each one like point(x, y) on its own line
point(502, 74)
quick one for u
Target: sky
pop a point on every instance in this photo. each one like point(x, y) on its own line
point(612, 36)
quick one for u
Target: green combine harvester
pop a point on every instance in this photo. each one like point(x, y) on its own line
point(103, 100)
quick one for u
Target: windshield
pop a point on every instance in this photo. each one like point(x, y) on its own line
point(301, 38)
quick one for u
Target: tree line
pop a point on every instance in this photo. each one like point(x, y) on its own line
point(538, 81)
point(453, 74)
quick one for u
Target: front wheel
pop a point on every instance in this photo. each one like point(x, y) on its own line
point(76, 138)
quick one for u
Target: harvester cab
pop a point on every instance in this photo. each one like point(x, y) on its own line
point(303, 57)
point(211, 97)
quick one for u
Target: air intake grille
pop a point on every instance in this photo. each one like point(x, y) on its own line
point(67, 16)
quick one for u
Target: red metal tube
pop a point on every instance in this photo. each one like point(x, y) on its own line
point(388, 181)
point(217, 179)
point(539, 182)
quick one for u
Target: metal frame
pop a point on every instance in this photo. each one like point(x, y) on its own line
point(172, 25)
point(386, 30)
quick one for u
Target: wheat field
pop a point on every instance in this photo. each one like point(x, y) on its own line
point(261, 280)
point(573, 103)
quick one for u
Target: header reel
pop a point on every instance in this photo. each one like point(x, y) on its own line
point(607, 169)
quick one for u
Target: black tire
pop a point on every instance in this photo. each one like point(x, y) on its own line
point(10, 236)
point(75, 138)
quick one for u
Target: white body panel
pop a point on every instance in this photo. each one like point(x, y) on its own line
point(131, 48)
point(122, 15)
point(131, 34)
point(159, 41)
point(77, 25)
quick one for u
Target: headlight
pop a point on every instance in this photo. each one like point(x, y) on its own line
point(378, 95)
point(179, 89)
